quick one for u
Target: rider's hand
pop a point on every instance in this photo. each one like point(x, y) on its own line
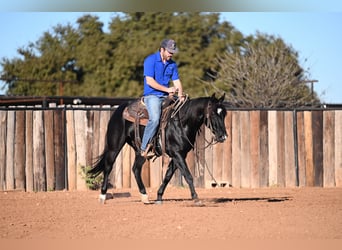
point(181, 98)
point(171, 90)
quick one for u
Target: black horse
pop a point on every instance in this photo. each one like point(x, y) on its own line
point(180, 134)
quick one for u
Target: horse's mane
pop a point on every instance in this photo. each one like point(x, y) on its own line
point(189, 105)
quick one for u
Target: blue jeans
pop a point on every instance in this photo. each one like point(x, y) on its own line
point(153, 105)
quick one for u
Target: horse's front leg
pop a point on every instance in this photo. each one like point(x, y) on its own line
point(137, 167)
point(183, 167)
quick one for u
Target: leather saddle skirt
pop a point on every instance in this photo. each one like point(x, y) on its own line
point(136, 112)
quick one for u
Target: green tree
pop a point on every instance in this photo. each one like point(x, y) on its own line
point(213, 56)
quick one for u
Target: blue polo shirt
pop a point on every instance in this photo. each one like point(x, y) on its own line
point(162, 73)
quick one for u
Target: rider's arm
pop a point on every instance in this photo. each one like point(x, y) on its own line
point(154, 84)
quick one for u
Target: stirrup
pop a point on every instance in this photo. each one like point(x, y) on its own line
point(147, 153)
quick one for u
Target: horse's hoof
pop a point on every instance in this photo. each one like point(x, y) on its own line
point(198, 203)
point(102, 199)
point(158, 202)
point(145, 200)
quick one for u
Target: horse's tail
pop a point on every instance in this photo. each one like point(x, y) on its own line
point(99, 165)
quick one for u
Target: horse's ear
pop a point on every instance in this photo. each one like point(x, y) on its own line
point(213, 96)
point(222, 97)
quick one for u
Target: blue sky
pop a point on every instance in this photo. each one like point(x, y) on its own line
point(316, 36)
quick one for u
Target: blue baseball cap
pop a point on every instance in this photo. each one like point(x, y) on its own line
point(169, 45)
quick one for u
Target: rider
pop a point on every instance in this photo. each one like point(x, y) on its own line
point(159, 69)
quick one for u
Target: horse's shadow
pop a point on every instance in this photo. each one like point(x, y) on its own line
point(207, 202)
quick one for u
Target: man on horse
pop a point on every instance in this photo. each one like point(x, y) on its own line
point(159, 69)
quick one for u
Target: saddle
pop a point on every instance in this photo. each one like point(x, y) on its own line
point(137, 113)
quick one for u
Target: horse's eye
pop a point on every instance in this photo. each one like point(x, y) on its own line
point(219, 111)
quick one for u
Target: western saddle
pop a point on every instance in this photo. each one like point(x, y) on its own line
point(137, 113)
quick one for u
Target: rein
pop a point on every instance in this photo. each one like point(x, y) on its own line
point(209, 143)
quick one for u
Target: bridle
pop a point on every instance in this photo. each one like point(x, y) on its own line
point(208, 123)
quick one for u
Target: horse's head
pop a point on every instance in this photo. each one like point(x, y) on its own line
point(215, 116)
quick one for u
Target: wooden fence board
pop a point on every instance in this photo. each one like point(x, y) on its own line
point(280, 149)
point(200, 161)
point(209, 175)
point(3, 139)
point(338, 148)
point(264, 163)
point(245, 149)
point(133, 183)
point(190, 161)
point(10, 150)
point(49, 149)
point(236, 150)
point(19, 150)
point(104, 119)
point(309, 165)
point(329, 149)
point(301, 149)
point(145, 171)
point(71, 150)
point(227, 157)
point(117, 169)
point(317, 127)
point(80, 139)
point(96, 133)
point(273, 149)
point(126, 169)
point(217, 161)
point(39, 167)
point(89, 136)
point(59, 138)
point(29, 150)
point(255, 148)
point(156, 173)
point(290, 166)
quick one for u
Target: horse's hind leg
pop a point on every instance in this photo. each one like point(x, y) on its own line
point(108, 159)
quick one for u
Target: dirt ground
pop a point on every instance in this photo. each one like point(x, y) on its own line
point(224, 213)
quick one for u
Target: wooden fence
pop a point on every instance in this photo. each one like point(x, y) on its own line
point(44, 149)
